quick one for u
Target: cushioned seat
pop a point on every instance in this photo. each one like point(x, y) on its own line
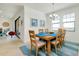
point(54, 42)
point(34, 41)
point(38, 43)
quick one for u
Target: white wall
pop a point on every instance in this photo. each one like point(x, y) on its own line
point(70, 36)
point(28, 14)
point(21, 28)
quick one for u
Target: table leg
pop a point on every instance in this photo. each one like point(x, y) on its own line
point(48, 47)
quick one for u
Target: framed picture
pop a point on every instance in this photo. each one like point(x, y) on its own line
point(42, 23)
point(34, 22)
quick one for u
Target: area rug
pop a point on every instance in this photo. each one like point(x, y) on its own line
point(65, 51)
point(26, 51)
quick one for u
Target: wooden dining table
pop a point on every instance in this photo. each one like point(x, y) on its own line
point(47, 38)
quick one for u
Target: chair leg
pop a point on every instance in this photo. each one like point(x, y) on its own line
point(45, 47)
point(60, 45)
point(31, 49)
point(36, 51)
point(62, 42)
point(55, 48)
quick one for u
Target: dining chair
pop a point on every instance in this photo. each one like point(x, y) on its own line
point(51, 32)
point(45, 30)
point(56, 42)
point(1, 32)
point(62, 32)
point(35, 43)
point(41, 30)
point(63, 36)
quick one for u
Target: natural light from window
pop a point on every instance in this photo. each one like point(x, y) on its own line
point(67, 21)
point(56, 22)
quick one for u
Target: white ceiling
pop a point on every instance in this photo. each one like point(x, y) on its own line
point(45, 7)
point(8, 11)
point(48, 7)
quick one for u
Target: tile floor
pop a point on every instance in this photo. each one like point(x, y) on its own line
point(10, 47)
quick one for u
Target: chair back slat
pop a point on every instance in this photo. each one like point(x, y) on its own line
point(41, 30)
point(32, 34)
point(58, 37)
point(0, 30)
point(62, 32)
point(46, 30)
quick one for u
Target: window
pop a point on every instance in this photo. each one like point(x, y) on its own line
point(55, 26)
point(56, 22)
point(68, 21)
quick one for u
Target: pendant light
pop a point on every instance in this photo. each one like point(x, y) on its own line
point(52, 16)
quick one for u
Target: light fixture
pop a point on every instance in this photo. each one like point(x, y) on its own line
point(52, 15)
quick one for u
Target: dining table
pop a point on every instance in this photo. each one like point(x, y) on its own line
point(47, 37)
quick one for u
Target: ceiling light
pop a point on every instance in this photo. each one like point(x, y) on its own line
point(52, 16)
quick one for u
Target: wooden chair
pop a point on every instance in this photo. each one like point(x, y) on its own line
point(35, 43)
point(56, 43)
point(46, 30)
point(63, 36)
point(0, 30)
point(62, 32)
point(51, 32)
point(41, 30)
